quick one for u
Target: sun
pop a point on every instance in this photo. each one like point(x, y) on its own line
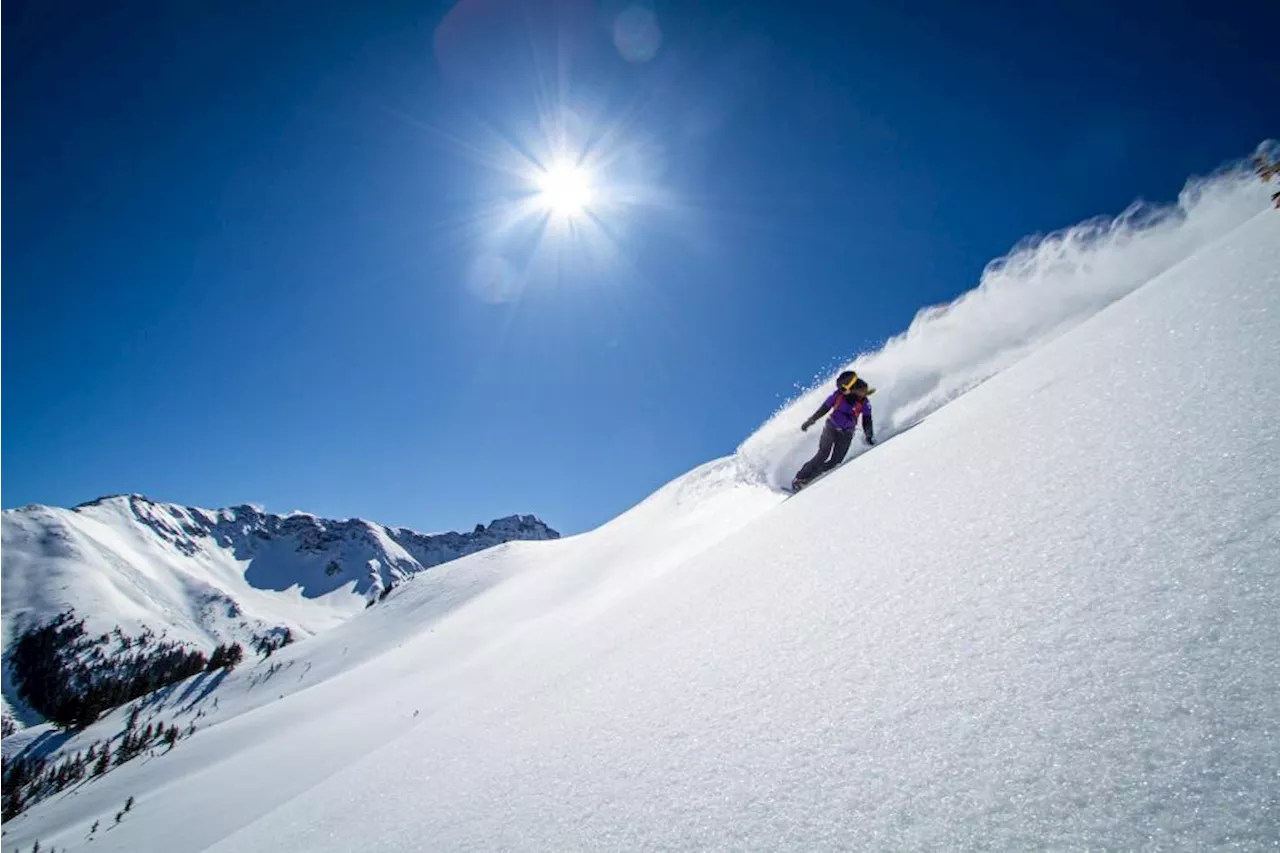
point(565, 189)
point(566, 194)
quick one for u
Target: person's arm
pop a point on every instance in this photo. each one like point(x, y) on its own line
point(822, 410)
point(868, 428)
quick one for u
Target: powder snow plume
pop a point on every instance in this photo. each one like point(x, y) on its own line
point(1046, 285)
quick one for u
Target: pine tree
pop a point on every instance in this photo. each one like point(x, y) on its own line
point(225, 657)
point(104, 760)
point(11, 805)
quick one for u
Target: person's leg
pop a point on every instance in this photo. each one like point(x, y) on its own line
point(840, 447)
point(815, 465)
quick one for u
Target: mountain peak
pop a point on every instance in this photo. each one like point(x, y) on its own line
point(144, 508)
point(211, 576)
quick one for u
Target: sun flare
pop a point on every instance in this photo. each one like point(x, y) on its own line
point(562, 203)
point(565, 189)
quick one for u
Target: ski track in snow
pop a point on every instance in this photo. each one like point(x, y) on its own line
point(1045, 617)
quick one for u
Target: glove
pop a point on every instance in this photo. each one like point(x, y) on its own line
point(804, 427)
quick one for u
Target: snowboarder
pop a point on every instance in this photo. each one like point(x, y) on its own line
point(846, 404)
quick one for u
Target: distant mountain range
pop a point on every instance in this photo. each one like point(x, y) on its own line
point(204, 577)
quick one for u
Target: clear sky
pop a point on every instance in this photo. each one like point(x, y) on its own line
point(296, 253)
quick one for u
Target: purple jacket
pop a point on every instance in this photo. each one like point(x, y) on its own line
point(845, 410)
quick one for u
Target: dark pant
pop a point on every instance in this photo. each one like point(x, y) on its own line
point(832, 448)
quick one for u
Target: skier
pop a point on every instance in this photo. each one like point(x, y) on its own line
point(846, 404)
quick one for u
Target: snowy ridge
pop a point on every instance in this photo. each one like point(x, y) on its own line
point(210, 576)
point(1044, 618)
point(1045, 286)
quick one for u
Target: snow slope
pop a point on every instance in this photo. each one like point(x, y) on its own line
point(1043, 618)
point(1045, 286)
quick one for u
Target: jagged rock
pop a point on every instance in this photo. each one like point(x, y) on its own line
point(251, 533)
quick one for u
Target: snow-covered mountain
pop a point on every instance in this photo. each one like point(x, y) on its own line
point(210, 576)
point(1040, 615)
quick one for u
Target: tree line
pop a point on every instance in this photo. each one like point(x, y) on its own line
point(65, 674)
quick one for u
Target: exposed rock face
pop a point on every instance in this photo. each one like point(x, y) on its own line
point(344, 547)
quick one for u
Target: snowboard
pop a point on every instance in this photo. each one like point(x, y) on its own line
point(790, 492)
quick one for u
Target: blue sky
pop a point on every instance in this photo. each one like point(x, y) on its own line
point(282, 253)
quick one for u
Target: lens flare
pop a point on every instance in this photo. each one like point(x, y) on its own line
point(565, 177)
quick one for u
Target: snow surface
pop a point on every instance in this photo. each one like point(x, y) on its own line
point(1045, 617)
